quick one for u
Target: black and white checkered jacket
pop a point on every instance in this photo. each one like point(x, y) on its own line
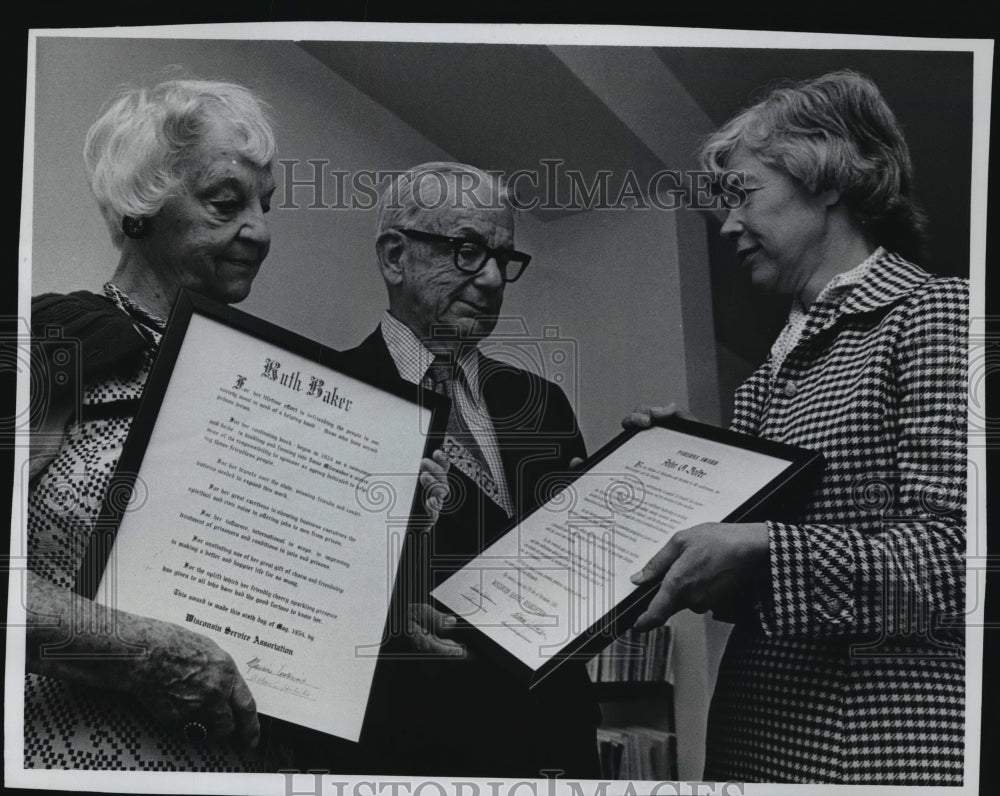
point(853, 668)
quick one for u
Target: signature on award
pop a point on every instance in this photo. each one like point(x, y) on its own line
point(281, 679)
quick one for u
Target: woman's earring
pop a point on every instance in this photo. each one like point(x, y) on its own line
point(134, 227)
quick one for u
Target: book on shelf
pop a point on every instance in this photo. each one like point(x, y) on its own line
point(637, 753)
point(635, 657)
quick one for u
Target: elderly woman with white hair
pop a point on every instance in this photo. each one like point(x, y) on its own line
point(846, 659)
point(182, 175)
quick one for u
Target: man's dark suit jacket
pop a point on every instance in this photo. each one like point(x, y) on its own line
point(470, 717)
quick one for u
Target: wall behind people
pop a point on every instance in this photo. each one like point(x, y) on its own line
point(582, 280)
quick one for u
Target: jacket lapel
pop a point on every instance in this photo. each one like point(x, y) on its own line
point(518, 424)
point(889, 280)
point(372, 360)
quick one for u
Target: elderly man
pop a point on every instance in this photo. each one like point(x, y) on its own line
point(445, 247)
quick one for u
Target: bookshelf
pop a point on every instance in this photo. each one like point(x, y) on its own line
point(634, 679)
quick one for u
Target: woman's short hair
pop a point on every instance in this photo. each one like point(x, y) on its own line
point(134, 152)
point(834, 132)
point(430, 186)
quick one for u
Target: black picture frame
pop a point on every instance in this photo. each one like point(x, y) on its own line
point(802, 466)
point(122, 482)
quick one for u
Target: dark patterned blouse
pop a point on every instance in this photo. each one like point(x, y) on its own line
point(68, 726)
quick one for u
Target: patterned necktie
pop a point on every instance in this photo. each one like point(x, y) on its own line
point(460, 445)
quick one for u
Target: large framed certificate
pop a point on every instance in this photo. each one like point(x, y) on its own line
point(556, 586)
point(252, 504)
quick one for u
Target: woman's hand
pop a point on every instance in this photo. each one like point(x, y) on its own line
point(181, 677)
point(646, 416)
point(434, 481)
point(703, 567)
point(186, 680)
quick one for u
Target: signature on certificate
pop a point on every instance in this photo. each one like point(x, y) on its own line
point(281, 679)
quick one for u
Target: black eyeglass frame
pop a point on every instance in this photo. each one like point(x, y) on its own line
point(502, 256)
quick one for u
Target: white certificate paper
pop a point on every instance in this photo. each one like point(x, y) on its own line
point(251, 520)
point(566, 566)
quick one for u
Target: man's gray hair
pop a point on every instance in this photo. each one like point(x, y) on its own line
point(435, 185)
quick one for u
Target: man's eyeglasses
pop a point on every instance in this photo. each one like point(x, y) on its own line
point(471, 256)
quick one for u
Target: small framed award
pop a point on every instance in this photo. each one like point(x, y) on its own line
point(556, 586)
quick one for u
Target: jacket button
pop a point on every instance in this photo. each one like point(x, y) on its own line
point(790, 389)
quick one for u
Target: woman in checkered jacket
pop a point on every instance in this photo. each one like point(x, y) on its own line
point(849, 667)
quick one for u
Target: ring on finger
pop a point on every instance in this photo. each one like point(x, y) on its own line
point(195, 733)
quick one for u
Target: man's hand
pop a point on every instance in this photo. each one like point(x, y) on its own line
point(646, 416)
point(186, 677)
point(426, 628)
point(434, 480)
point(703, 567)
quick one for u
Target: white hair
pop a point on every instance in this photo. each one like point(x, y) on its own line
point(134, 152)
